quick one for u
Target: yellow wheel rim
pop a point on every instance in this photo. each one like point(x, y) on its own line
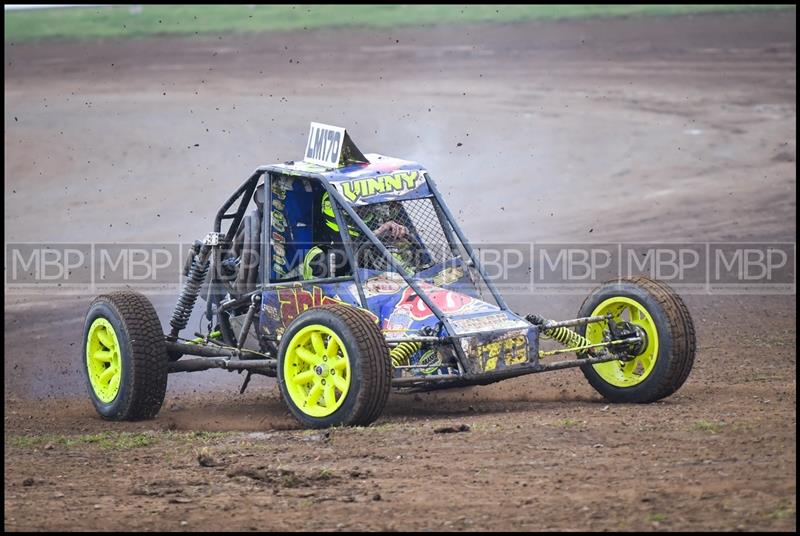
point(316, 371)
point(635, 371)
point(103, 360)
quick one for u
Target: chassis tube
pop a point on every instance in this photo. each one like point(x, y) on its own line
point(213, 351)
point(206, 363)
point(423, 380)
point(197, 364)
point(196, 349)
point(398, 340)
point(574, 322)
point(453, 380)
point(448, 232)
point(348, 248)
point(374, 239)
point(249, 184)
point(498, 298)
point(577, 362)
point(227, 332)
point(251, 311)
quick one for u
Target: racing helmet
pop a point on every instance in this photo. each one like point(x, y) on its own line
point(330, 218)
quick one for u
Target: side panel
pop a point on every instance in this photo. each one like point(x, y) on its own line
point(494, 352)
point(279, 306)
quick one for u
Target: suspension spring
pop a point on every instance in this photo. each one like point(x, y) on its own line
point(196, 276)
point(401, 353)
point(567, 337)
point(564, 335)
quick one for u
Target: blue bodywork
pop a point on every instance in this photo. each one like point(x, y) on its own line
point(481, 336)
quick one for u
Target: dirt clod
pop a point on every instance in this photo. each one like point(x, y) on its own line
point(205, 460)
point(452, 429)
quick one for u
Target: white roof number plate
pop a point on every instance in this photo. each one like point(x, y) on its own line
point(325, 143)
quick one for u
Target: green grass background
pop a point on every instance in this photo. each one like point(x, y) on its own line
point(146, 20)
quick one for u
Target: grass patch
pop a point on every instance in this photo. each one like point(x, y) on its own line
point(707, 426)
point(109, 440)
point(656, 518)
point(407, 426)
point(568, 423)
point(782, 512)
point(200, 435)
point(105, 440)
point(147, 20)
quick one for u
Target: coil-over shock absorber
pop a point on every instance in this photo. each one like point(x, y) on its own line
point(562, 334)
point(195, 275)
point(401, 354)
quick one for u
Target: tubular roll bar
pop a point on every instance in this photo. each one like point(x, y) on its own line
point(247, 188)
point(245, 192)
point(498, 298)
point(340, 200)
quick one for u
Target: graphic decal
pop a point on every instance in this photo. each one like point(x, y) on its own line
point(279, 188)
point(447, 301)
point(398, 182)
point(294, 301)
point(383, 284)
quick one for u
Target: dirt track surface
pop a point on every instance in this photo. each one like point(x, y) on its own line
point(689, 123)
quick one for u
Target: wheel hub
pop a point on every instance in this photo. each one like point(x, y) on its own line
point(103, 360)
point(636, 359)
point(317, 371)
point(638, 348)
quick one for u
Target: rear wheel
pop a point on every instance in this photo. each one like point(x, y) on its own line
point(124, 357)
point(334, 367)
point(663, 361)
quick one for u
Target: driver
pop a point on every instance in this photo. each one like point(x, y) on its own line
point(317, 261)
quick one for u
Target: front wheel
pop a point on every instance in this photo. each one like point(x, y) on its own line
point(663, 361)
point(124, 357)
point(334, 367)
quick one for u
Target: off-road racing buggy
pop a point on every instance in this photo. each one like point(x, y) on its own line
point(403, 302)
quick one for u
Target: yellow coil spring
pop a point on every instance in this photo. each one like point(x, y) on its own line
point(401, 353)
point(566, 336)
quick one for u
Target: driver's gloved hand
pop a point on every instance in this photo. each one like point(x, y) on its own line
point(393, 229)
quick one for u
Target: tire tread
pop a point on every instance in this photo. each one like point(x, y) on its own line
point(681, 333)
point(148, 354)
point(375, 365)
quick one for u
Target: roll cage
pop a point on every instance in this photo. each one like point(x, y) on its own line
point(341, 207)
point(236, 206)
